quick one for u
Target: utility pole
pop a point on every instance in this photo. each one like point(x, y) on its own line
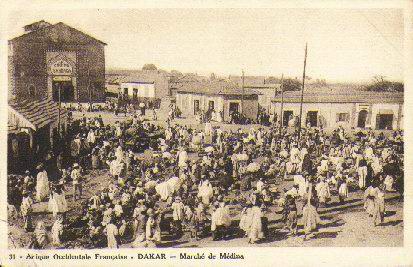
point(88, 82)
point(59, 102)
point(282, 101)
point(302, 93)
point(242, 96)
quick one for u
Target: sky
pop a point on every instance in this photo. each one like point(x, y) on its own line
point(343, 44)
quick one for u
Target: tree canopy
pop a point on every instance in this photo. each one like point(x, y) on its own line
point(291, 85)
point(149, 67)
point(380, 84)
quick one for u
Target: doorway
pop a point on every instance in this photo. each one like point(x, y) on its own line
point(312, 118)
point(67, 92)
point(211, 105)
point(196, 107)
point(233, 107)
point(361, 122)
point(384, 121)
point(288, 115)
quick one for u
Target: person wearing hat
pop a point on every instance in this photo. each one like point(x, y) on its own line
point(77, 181)
point(42, 184)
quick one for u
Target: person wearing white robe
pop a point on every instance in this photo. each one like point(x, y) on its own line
point(205, 192)
point(26, 210)
point(255, 231)
point(112, 233)
point(119, 154)
point(91, 138)
point(57, 231)
point(323, 192)
point(260, 185)
point(42, 185)
point(182, 158)
point(58, 203)
point(220, 220)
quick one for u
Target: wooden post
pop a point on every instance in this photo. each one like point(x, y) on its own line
point(88, 82)
point(302, 94)
point(282, 101)
point(58, 117)
point(242, 96)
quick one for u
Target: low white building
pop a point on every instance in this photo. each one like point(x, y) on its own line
point(138, 89)
point(351, 109)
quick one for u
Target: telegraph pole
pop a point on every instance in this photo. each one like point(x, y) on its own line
point(242, 96)
point(302, 93)
point(58, 117)
point(88, 82)
point(282, 101)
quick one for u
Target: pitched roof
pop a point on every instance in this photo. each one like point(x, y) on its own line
point(214, 88)
point(350, 96)
point(36, 114)
point(47, 29)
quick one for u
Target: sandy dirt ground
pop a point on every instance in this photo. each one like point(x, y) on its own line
point(342, 225)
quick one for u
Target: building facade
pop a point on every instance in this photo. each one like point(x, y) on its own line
point(50, 58)
point(361, 109)
point(266, 94)
point(218, 97)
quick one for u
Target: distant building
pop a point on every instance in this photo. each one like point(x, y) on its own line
point(266, 93)
point(217, 96)
point(351, 109)
point(52, 56)
point(140, 92)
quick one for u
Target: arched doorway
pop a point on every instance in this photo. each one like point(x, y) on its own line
point(361, 122)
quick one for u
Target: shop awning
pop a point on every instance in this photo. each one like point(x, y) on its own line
point(34, 114)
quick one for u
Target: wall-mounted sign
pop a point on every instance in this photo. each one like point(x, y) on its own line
point(62, 78)
point(61, 67)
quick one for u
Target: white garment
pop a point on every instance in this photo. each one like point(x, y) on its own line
point(42, 186)
point(112, 232)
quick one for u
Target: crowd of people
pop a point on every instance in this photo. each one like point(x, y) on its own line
point(202, 182)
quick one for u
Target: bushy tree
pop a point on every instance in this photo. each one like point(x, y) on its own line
point(291, 85)
point(380, 84)
point(149, 67)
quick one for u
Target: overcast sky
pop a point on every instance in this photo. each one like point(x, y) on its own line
point(343, 44)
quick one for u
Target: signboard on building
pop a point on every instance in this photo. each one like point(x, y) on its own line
point(61, 67)
point(62, 63)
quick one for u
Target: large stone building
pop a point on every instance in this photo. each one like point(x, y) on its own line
point(218, 96)
point(350, 109)
point(49, 57)
point(47, 63)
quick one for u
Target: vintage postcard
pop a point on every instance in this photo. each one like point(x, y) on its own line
point(184, 134)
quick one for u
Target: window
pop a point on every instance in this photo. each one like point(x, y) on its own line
point(125, 91)
point(343, 117)
point(135, 93)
